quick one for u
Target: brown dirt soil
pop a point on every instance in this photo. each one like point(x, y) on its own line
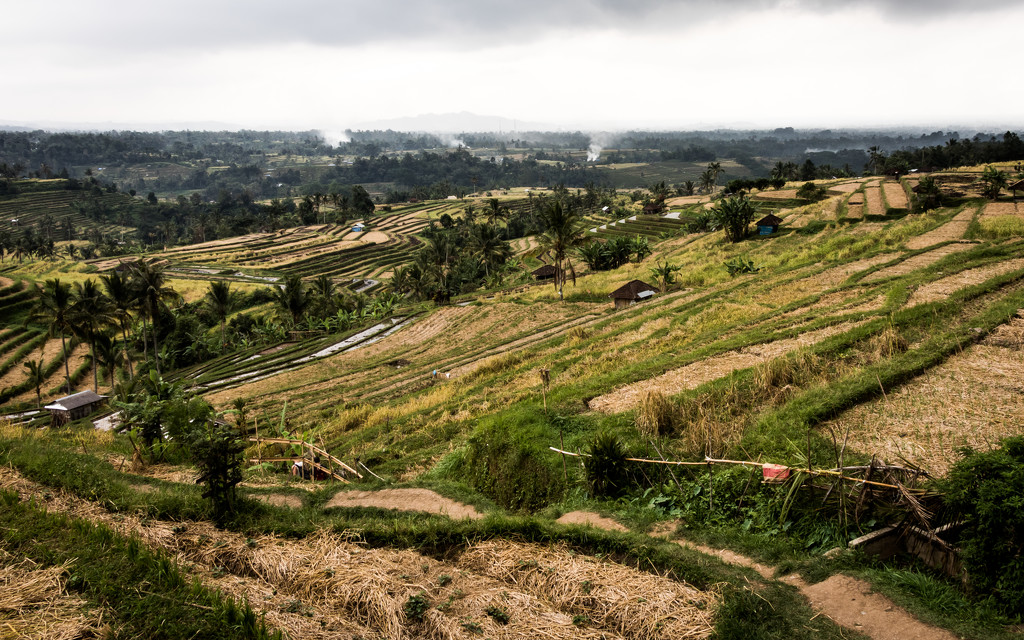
point(952, 230)
point(591, 519)
point(973, 399)
point(846, 601)
point(279, 499)
point(330, 586)
point(895, 195)
point(697, 373)
point(851, 603)
point(919, 261)
point(5, 282)
point(940, 289)
point(854, 211)
point(405, 500)
point(995, 209)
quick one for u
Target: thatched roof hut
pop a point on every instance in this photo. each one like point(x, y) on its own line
point(545, 272)
point(768, 224)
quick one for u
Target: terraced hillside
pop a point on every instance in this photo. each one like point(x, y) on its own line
point(49, 202)
point(861, 335)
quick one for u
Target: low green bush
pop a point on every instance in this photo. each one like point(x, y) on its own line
point(986, 490)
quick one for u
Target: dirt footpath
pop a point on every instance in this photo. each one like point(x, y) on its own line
point(847, 601)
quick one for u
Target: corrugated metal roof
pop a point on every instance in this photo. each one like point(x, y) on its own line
point(75, 400)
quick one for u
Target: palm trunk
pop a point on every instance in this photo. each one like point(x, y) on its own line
point(95, 376)
point(67, 370)
point(127, 358)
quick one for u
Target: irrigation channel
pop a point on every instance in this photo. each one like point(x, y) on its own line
point(269, 362)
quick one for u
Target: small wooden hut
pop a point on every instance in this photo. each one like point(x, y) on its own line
point(77, 405)
point(545, 272)
point(1015, 187)
point(631, 293)
point(768, 225)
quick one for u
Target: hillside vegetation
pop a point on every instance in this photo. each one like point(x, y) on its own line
point(875, 330)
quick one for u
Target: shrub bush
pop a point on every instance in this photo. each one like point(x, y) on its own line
point(986, 490)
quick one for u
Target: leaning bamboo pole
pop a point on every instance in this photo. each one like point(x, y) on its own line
point(708, 462)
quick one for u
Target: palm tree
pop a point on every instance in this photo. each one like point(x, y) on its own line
point(54, 307)
point(490, 248)
point(72, 251)
point(90, 313)
point(292, 299)
point(36, 377)
point(707, 181)
point(122, 299)
point(563, 232)
point(495, 212)
point(108, 356)
point(220, 301)
point(152, 293)
point(716, 169)
point(400, 280)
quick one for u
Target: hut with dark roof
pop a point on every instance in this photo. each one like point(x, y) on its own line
point(1015, 187)
point(631, 293)
point(768, 225)
point(77, 405)
point(546, 272)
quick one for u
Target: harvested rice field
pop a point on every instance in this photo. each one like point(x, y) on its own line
point(997, 209)
point(955, 229)
point(942, 288)
point(695, 374)
point(895, 196)
point(972, 400)
point(873, 200)
point(919, 261)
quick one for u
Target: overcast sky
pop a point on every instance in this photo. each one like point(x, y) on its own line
point(587, 64)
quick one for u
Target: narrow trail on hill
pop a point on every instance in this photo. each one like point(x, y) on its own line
point(848, 601)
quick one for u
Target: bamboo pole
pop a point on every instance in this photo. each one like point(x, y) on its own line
point(710, 461)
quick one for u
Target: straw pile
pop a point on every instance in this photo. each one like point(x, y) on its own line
point(34, 604)
point(330, 586)
point(634, 604)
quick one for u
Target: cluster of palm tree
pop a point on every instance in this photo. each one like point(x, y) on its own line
point(324, 306)
point(456, 259)
point(617, 251)
point(709, 178)
point(108, 315)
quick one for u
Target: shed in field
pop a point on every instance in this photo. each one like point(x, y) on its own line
point(1015, 187)
point(545, 272)
point(768, 225)
point(77, 405)
point(632, 292)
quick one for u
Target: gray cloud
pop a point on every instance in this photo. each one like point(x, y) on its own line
point(163, 25)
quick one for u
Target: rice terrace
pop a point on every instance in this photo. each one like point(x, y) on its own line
point(393, 388)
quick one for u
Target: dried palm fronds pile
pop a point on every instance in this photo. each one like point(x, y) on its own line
point(613, 596)
point(34, 603)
